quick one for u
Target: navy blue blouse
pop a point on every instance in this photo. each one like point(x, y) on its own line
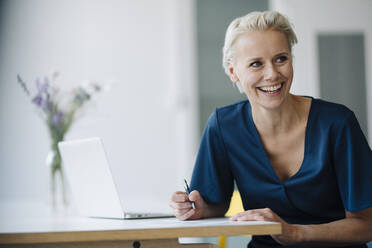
point(336, 172)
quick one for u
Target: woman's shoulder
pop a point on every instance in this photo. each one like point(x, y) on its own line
point(232, 113)
point(331, 110)
point(233, 109)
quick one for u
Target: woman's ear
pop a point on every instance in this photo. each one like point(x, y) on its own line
point(233, 77)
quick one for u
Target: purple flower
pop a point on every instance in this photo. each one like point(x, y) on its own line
point(41, 102)
point(47, 105)
point(42, 88)
point(57, 118)
point(58, 113)
point(38, 100)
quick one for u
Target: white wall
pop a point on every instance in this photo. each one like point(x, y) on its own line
point(147, 120)
point(331, 16)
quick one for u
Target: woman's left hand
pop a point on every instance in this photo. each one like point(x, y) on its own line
point(289, 232)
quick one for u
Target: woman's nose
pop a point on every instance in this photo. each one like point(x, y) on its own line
point(271, 73)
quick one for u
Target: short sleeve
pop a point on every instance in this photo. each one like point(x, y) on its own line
point(353, 165)
point(212, 176)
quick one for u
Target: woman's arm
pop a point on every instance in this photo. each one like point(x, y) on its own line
point(355, 228)
point(182, 208)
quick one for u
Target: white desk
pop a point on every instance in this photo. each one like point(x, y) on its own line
point(83, 232)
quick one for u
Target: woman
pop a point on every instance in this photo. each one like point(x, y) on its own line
point(297, 160)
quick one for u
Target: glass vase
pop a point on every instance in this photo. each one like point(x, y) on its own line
point(58, 197)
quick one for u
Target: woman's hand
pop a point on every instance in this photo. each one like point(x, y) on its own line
point(289, 232)
point(181, 204)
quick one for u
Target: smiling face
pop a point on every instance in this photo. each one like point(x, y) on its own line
point(263, 66)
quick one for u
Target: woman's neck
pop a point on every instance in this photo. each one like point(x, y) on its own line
point(281, 120)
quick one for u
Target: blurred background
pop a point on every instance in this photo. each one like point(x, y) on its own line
point(163, 60)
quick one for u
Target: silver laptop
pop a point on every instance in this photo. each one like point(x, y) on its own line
point(89, 175)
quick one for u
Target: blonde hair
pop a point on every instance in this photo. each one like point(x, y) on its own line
point(255, 21)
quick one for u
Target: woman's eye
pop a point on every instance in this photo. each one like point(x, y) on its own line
point(281, 59)
point(256, 64)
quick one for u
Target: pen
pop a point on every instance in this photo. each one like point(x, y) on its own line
point(187, 190)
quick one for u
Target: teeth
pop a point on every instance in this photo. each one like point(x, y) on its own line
point(271, 88)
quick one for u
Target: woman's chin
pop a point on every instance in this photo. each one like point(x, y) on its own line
point(272, 102)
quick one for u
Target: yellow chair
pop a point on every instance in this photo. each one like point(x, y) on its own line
point(236, 206)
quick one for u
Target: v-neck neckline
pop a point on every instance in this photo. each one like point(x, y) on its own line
point(306, 145)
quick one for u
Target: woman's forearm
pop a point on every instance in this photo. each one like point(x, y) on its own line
point(356, 228)
point(342, 232)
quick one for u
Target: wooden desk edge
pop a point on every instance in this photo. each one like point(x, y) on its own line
point(139, 234)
